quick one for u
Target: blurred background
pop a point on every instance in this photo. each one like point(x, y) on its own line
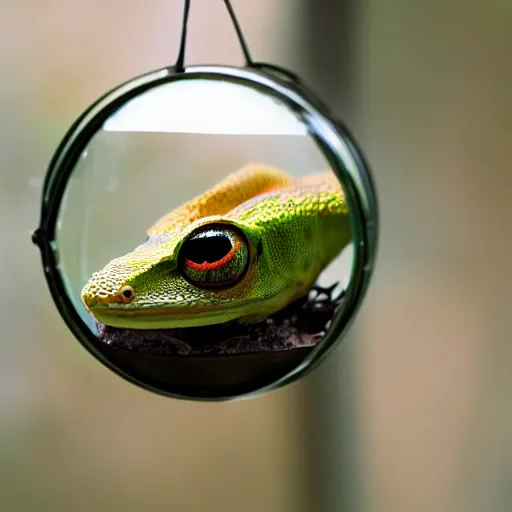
point(412, 412)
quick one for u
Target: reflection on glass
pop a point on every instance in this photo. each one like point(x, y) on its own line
point(205, 106)
point(244, 256)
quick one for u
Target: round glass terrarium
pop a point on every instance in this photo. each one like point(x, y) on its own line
point(208, 233)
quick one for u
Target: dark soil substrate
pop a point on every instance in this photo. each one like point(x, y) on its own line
point(300, 325)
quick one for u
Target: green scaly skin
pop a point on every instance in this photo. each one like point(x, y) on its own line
point(241, 251)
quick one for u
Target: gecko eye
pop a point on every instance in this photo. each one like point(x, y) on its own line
point(215, 256)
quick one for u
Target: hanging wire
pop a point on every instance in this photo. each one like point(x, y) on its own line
point(241, 39)
point(183, 39)
point(180, 62)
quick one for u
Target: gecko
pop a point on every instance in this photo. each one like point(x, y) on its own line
point(241, 251)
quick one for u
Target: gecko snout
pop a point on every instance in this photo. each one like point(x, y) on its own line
point(94, 295)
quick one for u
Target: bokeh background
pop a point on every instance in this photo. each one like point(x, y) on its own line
point(412, 412)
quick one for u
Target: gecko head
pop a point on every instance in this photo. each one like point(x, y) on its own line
point(191, 278)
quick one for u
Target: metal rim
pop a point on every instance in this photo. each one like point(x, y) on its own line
point(334, 141)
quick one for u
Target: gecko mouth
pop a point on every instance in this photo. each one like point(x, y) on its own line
point(164, 317)
point(146, 316)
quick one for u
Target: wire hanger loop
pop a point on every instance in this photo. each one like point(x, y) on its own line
point(180, 62)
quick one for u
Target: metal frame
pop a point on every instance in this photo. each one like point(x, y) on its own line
point(334, 140)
